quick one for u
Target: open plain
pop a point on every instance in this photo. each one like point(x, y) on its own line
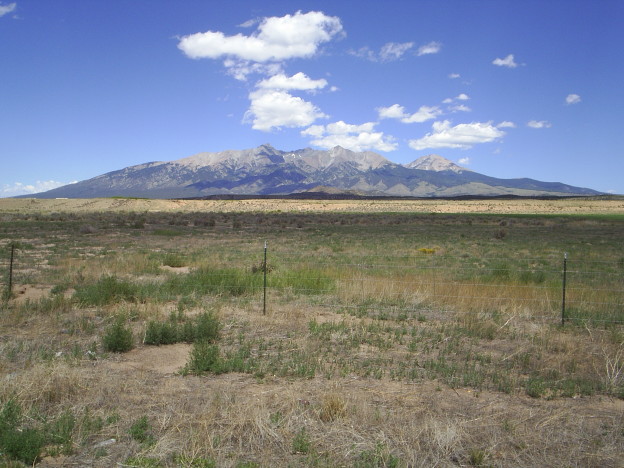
point(324, 333)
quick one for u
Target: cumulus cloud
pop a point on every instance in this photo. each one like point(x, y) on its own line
point(573, 99)
point(6, 9)
point(389, 52)
point(354, 137)
point(464, 161)
point(431, 48)
point(397, 111)
point(276, 39)
point(18, 188)
point(461, 136)
point(273, 108)
point(539, 124)
point(508, 62)
point(506, 124)
point(454, 76)
point(299, 81)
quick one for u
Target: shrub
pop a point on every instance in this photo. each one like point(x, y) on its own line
point(204, 327)
point(140, 431)
point(207, 328)
point(107, 290)
point(301, 442)
point(159, 333)
point(118, 338)
point(18, 443)
point(205, 357)
point(174, 260)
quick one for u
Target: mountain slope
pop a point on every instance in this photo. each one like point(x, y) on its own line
point(265, 170)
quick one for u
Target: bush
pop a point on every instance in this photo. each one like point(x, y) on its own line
point(141, 431)
point(118, 338)
point(108, 290)
point(205, 358)
point(158, 333)
point(204, 327)
point(18, 443)
point(207, 328)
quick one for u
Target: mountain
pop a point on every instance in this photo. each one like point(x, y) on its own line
point(267, 171)
point(433, 162)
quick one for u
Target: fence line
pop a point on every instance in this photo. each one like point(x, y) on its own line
point(565, 289)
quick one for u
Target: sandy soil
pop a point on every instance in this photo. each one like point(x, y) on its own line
point(161, 359)
point(520, 206)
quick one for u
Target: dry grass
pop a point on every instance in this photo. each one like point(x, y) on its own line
point(526, 206)
point(386, 369)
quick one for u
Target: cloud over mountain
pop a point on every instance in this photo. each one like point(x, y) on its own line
point(461, 136)
point(353, 137)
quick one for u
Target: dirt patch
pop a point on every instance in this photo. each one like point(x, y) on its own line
point(161, 359)
point(28, 292)
point(178, 270)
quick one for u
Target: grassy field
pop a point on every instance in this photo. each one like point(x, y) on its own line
point(138, 333)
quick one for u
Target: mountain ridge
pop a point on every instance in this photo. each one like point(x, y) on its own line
point(265, 170)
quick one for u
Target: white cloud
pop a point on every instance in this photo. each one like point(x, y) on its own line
point(250, 23)
point(276, 39)
point(18, 188)
point(365, 53)
point(573, 99)
point(464, 161)
point(460, 97)
point(271, 108)
point(539, 124)
point(431, 48)
point(454, 76)
point(396, 111)
point(506, 124)
point(353, 137)
point(6, 9)
point(460, 108)
point(508, 62)
point(299, 81)
point(394, 51)
point(241, 69)
point(462, 136)
point(389, 52)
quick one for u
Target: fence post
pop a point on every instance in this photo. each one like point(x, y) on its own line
point(563, 294)
point(264, 270)
point(9, 291)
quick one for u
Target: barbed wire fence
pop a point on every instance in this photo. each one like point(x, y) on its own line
point(423, 285)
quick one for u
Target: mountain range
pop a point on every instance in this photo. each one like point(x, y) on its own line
point(267, 171)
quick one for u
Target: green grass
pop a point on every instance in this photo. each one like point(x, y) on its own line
point(107, 290)
point(204, 327)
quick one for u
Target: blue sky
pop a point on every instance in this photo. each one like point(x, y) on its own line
point(505, 88)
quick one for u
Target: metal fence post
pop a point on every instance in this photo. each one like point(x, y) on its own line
point(563, 295)
point(264, 289)
point(9, 291)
